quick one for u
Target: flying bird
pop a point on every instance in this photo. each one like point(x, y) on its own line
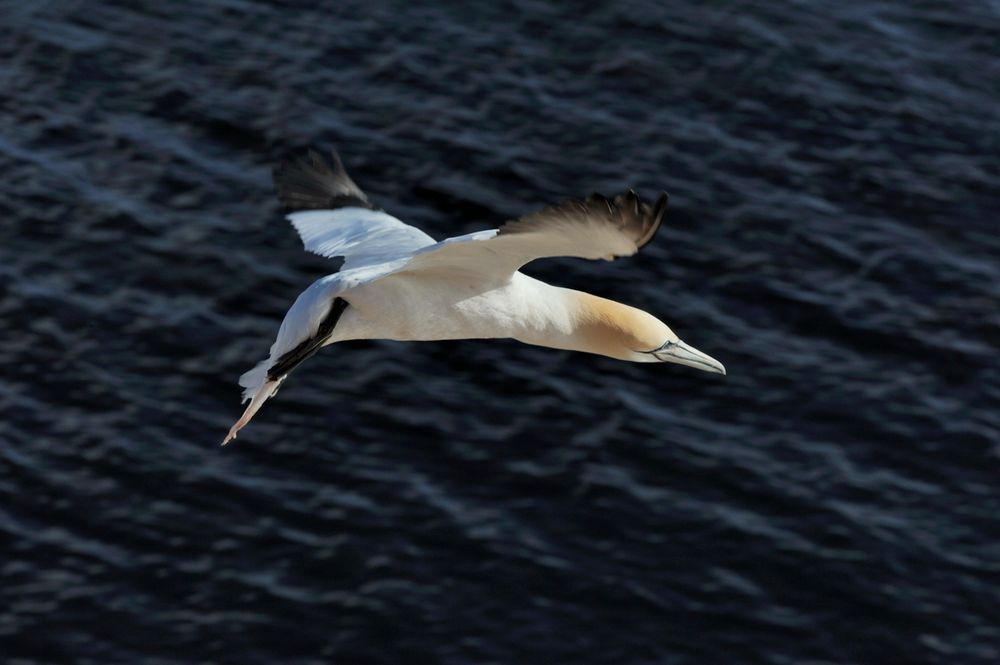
point(398, 283)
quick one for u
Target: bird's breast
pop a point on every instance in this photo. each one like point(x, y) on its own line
point(438, 307)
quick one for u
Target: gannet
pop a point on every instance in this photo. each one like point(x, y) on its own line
point(398, 283)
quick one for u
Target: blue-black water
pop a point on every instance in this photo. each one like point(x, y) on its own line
point(832, 238)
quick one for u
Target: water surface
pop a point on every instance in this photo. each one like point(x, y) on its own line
point(832, 238)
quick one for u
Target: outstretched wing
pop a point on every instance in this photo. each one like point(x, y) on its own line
point(596, 228)
point(334, 217)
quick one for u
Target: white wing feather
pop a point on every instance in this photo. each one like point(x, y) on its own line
point(363, 237)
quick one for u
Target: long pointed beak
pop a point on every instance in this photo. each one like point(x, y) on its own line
point(682, 354)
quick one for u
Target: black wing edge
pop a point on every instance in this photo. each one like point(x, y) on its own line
point(627, 211)
point(305, 180)
point(640, 220)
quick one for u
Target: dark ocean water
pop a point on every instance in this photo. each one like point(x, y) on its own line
point(833, 238)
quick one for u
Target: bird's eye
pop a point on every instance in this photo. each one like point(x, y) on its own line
point(663, 347)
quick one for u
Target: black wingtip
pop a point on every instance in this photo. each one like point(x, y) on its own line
point(660, 206)
point(305, 180)
point(646, 218)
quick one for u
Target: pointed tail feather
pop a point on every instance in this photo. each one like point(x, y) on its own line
point(261, 395)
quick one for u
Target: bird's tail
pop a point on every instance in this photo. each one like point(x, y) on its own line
point(252, 380)
point(258, 389)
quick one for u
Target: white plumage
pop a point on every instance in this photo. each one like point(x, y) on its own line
point(361, 236)
point(398, 283)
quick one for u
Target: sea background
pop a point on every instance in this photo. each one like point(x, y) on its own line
point(832, 238)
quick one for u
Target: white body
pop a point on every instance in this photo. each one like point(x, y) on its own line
point(427, 307)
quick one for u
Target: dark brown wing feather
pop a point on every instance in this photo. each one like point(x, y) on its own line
point(304, 180)
point(629, 221)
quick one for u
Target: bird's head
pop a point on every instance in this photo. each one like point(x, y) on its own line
point(612, 329)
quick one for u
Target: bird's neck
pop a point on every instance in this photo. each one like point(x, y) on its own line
point(593, 324)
